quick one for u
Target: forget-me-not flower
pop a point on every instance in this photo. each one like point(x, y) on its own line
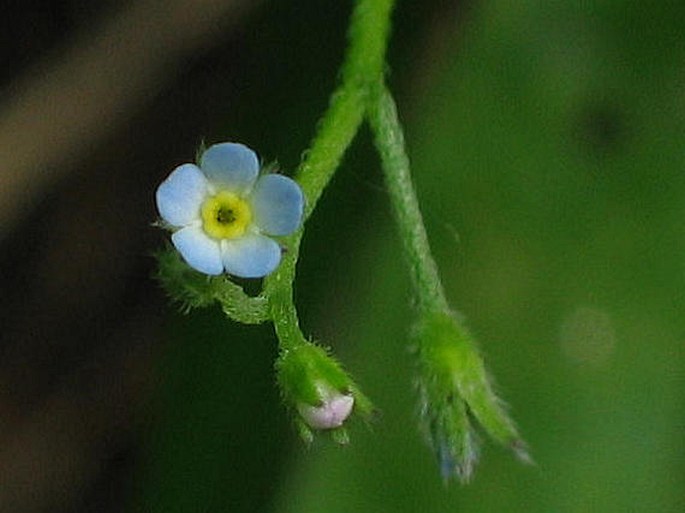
point(222, 212)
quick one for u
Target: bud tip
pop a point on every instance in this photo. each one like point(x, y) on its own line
point(331, 413)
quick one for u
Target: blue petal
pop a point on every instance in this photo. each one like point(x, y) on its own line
point(200, 251)
point(277, 204)
point(180, 196)
point(232, 165)
point(252, 256)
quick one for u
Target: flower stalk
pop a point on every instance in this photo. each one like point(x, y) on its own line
point(364, 63)
point(454, 389)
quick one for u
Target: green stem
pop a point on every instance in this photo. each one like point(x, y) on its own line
point(389, 140)
point(451, 370)
point(363, 65)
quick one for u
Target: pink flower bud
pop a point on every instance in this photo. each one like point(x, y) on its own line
point(333, 411)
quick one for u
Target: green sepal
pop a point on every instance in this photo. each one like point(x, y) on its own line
point(448, 428)
point(305, 432)
point(301, 370)
point(340, 436)
point(270, 168)
point(192, 289)
point(455, 389)
point(202, 147)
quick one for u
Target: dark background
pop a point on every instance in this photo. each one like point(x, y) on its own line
point(549, 157)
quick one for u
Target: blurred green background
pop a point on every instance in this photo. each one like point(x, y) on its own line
point(548, 150)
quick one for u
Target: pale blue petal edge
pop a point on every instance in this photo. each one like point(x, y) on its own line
point(200, 251)
point(231, 165)
point(252, 256)
point(180, 196)
point(277, 204)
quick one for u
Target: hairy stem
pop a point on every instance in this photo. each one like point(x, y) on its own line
point(389, 141)
point(363, 65)
point(453, 382)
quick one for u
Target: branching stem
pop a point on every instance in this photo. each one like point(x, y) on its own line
point(363, 66)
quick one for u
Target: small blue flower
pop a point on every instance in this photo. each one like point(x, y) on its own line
point(222, 212)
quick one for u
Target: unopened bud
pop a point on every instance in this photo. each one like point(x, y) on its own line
point(331, 413)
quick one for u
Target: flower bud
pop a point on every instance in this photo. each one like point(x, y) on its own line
point(456, 395)
point(331, 413)
point(319, 391)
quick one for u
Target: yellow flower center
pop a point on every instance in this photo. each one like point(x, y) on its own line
point(225, 216)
